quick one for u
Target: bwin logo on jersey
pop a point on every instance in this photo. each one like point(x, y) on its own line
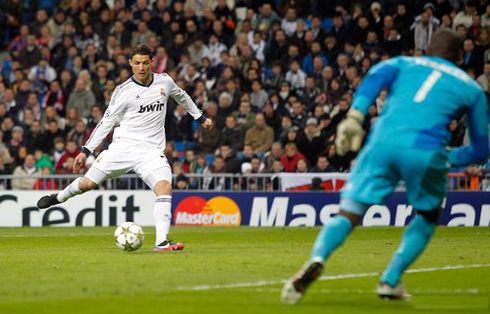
point(152, 107)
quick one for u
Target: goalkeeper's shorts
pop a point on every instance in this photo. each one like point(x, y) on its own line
point(379, 168)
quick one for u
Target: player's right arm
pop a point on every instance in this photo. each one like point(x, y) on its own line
point(350, 132)
point(111, 116)
point(477, 151)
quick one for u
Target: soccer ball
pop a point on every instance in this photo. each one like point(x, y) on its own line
point(129, 236)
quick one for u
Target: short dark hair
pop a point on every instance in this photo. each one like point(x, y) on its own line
point(143, 50)
point(226, 142)
point(322, 156)
point(446, 44)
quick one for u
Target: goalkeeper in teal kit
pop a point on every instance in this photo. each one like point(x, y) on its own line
point(407, 142)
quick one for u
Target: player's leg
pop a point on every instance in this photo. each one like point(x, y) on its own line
point(415, 239)
point(110, 163)
point(363, 189)
point(336, 230)
point(424, 173)
point(162, 213)
point(78, 186)
point(154, 169)
point(332, 235)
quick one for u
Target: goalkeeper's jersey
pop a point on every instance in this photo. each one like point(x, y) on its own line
point(424, 95)
point(140, 111)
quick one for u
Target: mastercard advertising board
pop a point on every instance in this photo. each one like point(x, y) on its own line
point(217, 211)
point(263, 209)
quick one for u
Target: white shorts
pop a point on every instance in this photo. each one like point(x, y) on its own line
point(149, 164)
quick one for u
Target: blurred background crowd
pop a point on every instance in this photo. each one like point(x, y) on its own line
point(276, 76)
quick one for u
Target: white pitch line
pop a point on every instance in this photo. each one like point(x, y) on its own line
point(431, 292)
point(452, 307)
point(347, 276)
point(52, 235)
point(57, 235)
point(323, 278)
point(230, 285)
point(423, 270)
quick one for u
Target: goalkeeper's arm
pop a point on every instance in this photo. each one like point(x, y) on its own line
point(478, 150)
point(349, 131)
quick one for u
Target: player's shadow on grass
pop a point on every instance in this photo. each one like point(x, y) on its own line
point(149, 251)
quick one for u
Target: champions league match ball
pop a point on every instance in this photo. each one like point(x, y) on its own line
point(129, 236)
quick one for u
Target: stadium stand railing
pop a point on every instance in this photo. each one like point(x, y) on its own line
point(217, 182)
point(463, 182)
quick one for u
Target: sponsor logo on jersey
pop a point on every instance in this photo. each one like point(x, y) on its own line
point(218, 211)
point(152, 107)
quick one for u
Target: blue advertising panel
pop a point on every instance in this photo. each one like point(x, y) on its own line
point(314, 209)
point(110, 208)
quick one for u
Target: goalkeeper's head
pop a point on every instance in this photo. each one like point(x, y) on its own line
point(446, 44)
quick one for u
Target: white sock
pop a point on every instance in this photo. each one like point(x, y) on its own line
point(70, 191)
point(163, 216)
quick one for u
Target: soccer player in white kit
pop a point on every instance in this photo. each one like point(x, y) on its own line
point(139, 105)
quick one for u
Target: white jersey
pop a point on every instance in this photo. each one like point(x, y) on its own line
point(140, 111)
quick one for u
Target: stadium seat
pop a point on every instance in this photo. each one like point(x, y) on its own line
point(195, 126)
point(209, 159)
point(327, 24)
point(179, 146)
point(267, 71)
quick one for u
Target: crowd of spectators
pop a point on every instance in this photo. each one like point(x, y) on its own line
point(276, 76)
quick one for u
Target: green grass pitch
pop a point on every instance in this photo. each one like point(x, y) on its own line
point(238, 270)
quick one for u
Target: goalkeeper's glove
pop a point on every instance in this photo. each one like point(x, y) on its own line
point(350, 132)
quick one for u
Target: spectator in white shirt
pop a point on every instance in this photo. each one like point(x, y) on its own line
point(42, 72)
point(259, 96)
point(213, 50)
point(295, 76)
point(289, 24)
point(257, 44)
point(465, 17)
point(484, 79)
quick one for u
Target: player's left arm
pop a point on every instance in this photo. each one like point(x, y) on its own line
point(350, 132)
point(183, 99)
point(477, 151)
